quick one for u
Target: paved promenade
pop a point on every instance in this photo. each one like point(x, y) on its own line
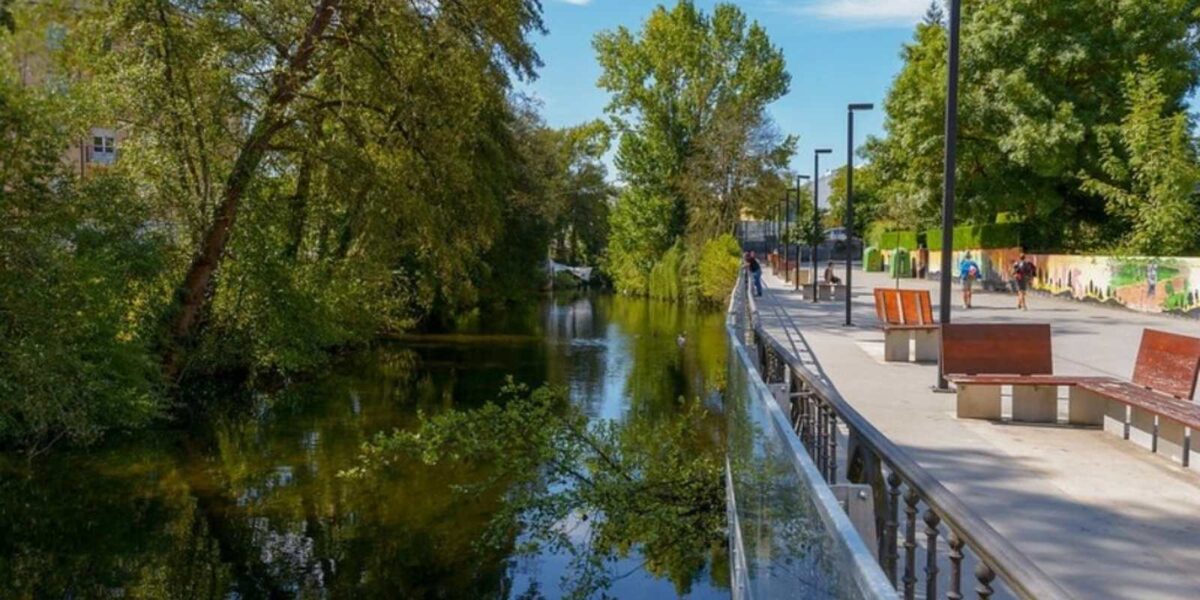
point(1101, 515)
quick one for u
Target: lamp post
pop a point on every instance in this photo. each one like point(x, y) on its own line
point(799, 178)
point(951, 140)
point(849, 224)
point(816, 223)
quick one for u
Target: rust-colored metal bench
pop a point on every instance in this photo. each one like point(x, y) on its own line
point(905, 315)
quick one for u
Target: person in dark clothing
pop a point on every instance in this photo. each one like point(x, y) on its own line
point(1023, 272)
point(755, 273)
point(830, 278)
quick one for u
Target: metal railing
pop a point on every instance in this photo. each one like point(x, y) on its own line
point(954, 536)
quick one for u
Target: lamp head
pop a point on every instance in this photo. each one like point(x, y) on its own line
point(823, 151)
point(861, 106)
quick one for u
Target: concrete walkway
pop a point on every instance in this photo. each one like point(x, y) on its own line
point(1101, 515)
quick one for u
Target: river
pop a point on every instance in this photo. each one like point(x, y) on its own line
point(257, 504)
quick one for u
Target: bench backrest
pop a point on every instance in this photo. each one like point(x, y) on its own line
point(903, 307)
point(996, 349)
point(1168, 363)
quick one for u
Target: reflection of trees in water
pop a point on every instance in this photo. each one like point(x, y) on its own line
point(594, 491)
point(252, 504)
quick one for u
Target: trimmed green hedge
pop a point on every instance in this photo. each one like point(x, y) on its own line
point(909, 240)
point(979, 237)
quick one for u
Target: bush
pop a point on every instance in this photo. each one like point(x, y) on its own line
point(666, 277)
point(909, 240)
point(979, 237)
point(720, 260)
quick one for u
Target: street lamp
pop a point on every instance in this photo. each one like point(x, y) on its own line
point(951, 135)
point(849, 224)
point(816, 179)
point(799, 178)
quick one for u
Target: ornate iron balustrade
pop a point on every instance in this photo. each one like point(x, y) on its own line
point(954, 536)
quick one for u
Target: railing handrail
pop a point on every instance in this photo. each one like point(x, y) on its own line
point(1017, 570)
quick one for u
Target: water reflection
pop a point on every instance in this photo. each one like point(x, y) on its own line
point(252, 506)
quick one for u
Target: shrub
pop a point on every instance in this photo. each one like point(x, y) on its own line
point(720, 260)
point(666, 277)
point(979, 237)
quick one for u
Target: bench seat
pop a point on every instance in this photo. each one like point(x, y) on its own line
point(906, 315)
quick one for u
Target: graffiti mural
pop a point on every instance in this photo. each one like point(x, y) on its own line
point(1144, 284)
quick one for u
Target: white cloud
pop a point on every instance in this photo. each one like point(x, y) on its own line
point(576, 2)
point(866, 12)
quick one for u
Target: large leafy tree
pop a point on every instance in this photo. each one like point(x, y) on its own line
point(689, 97)
point(1040, 82)
point(318, 127)
point(1150, 170)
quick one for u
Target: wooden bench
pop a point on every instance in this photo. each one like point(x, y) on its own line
point(1155, 409)
point(980, 358)
point(905, 315)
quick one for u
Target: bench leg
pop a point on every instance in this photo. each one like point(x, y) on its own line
point(1171, 435)
point(1141, 429)
point(1115, 418)
point(1035, 403)
point(824, 293)
point(895, 346)
point(979, 402)
point(839, 293)
point(927, 345)
point(1085, 408)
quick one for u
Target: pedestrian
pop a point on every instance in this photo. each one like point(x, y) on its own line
point(968, 272)
point(830, 278)
point(1022, 272)
point(1151, 279)
point(922, 262)
point(755, 273)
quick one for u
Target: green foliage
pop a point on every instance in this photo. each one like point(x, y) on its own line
point(641, 484)
point(80, 277)
point(908, 240)
point(978, 237)
point(1150, 169)
point(695, 144)
point(719, 263)
point(640, 234)
point(667, 275)
point(1038, 114)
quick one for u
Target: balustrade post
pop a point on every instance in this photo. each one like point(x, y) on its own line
point(892, 528)
point(910, 544)
point(984, 575)
point(822, 433)
point(956, 558)
point(833, 466)
point(931, 567)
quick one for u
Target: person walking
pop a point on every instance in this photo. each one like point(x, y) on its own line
point(1022, 272)
point(968, 272)
point(922, 262)
point(755, 273)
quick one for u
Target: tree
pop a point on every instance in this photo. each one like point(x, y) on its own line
point(1151, 170)
point(934, 14)
point(1039, 83)
point(689, 96)
point(331, 92)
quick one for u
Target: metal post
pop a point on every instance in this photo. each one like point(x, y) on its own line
point(948, 175)
point(849, 224)
point(816, 179)
point(849, 206)
point(799, 178)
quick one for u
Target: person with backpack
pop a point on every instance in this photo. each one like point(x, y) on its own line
point(968, 273)
point(755, 273)
point(1022, 272)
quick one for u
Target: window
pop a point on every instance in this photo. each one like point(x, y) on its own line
point(104, 149)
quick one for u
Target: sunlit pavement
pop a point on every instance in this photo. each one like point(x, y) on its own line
point(1101, 515)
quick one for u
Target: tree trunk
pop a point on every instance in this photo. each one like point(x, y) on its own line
point(193, 295)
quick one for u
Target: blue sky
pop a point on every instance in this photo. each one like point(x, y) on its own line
point(837, 51)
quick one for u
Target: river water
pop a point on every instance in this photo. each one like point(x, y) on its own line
point(257, 504)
